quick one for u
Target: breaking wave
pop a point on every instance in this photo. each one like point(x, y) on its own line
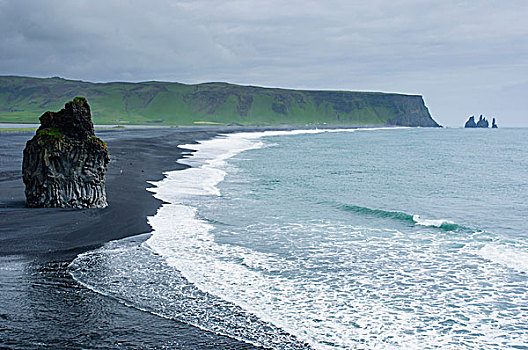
point(415, 219)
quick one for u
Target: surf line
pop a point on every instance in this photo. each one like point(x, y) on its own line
point(182, 239)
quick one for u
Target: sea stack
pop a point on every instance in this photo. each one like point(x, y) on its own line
point(494, 124)
point(482, 123)
point(65, 163)
point(471, 122)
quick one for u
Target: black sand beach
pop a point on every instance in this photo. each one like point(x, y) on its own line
point(42, 306)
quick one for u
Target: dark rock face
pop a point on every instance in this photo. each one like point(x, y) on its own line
point(494, 125)
point(74, 121)
point(482, 123)
point(65, 163)
point(471, 122)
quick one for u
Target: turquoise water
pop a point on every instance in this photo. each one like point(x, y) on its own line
point(398, 238)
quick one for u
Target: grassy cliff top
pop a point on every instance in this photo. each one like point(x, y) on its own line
point(24, 99)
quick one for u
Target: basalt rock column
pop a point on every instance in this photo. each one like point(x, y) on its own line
point(65, 163)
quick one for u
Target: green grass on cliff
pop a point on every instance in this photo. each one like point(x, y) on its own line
point(24, 100)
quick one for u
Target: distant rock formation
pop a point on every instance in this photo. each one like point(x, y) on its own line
point(65, 163)
point(471, 122)
point(482, 123)
point(494, 125)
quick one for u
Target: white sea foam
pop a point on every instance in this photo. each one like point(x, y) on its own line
point(431, 222)
point(208, 160)
point(511, 256)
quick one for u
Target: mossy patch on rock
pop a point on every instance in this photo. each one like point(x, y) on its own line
point(98, 141)
point(50, 132)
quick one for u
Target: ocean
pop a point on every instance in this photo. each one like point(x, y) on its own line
point(336, 239)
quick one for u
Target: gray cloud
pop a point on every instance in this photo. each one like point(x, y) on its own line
point(465, 57)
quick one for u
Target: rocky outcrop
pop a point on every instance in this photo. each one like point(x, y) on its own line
point(471, 122)
point(494, 124)
point(482, 123)
point(65, 163)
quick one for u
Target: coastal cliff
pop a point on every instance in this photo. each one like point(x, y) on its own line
point(164, 103)
point(64, 164)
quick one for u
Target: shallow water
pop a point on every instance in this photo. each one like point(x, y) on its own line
point(42, 307)
point(411, 238)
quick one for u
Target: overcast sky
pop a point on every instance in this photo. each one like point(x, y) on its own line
point(464, 57)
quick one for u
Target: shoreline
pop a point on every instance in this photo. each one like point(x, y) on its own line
point(170, 242)
point(136, 157)
point(48, 239)
point(38, 244)
point(219, 147)
point(38, 292)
